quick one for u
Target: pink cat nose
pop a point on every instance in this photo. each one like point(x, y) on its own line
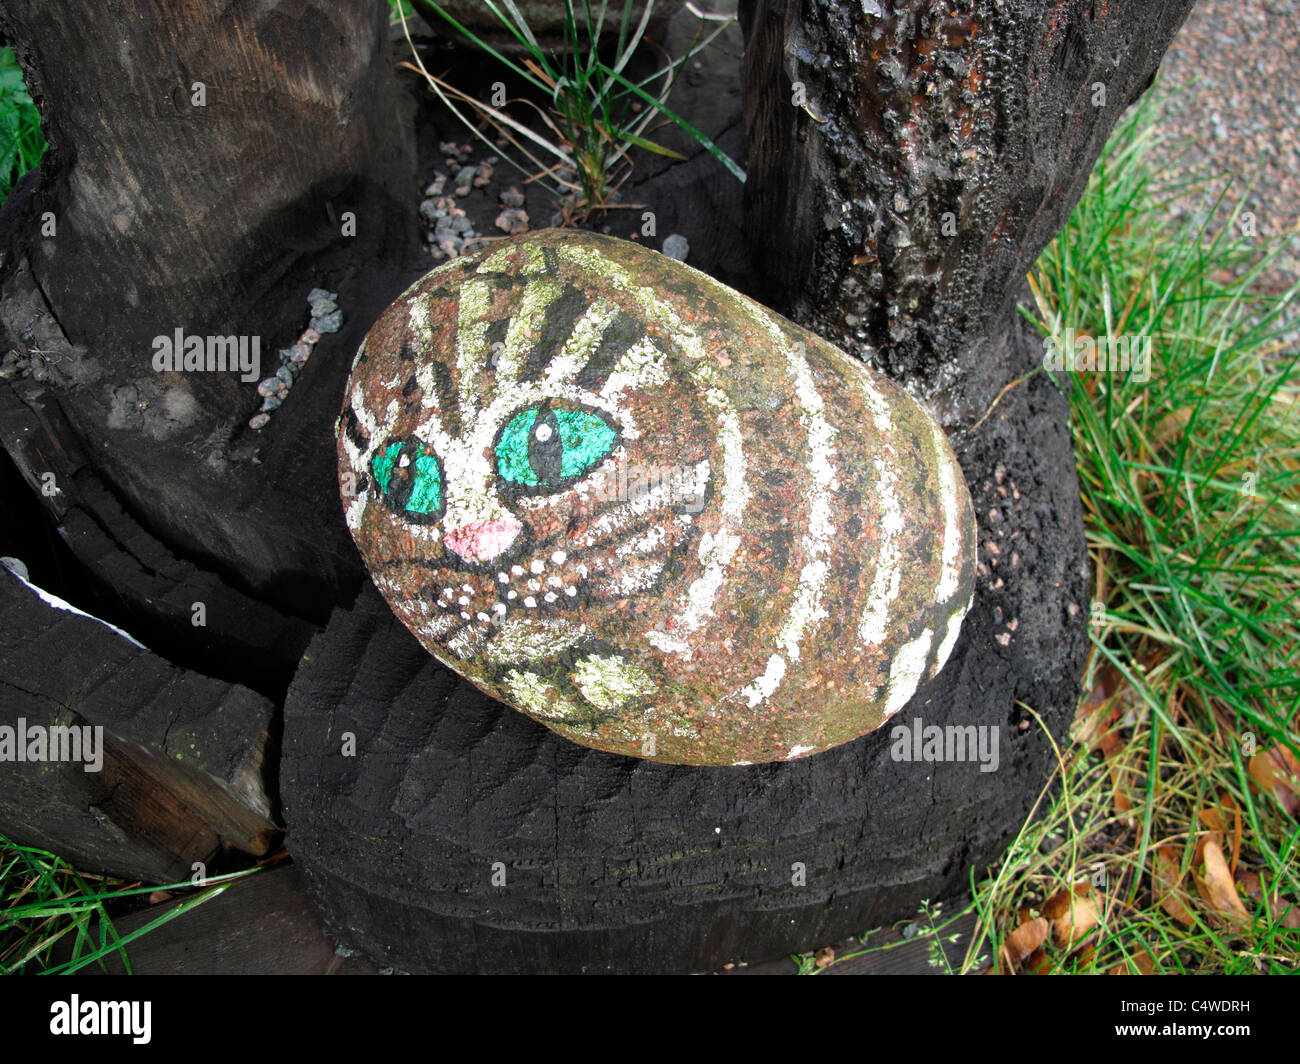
point(482, 541)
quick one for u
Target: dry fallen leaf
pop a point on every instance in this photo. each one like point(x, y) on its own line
point(1073, 914)
point(1172, 425)
point(1216, 885)
point(1215, 818)
point(1277, 771)
point(1142, 961)
point(825, 957)
point(1253, 885)
point(1023, 941)
point(1166, 880)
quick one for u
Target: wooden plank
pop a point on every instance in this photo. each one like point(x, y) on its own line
point(262, 925)
point(182, 773)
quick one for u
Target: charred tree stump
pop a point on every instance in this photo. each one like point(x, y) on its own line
point(209, 164)
point(909, 159)
point(495, 845)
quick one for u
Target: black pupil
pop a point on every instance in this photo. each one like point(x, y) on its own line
point(546, 455)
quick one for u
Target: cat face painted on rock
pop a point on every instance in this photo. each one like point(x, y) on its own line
point(623, 531)
point(522, 469)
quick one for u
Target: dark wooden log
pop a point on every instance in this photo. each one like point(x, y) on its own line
point(128, 576)
point(183, 766)
point(909, 159)
point(209, 164)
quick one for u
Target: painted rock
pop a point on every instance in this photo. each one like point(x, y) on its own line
point(648, 512)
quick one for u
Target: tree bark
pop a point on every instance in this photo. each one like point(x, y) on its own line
point(209, 164)
point(909, 159)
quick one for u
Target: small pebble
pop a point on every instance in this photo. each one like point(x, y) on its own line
point(259, 421)
point(676, 247)
point(512, 197)
point(512, 221)
point(483, 176)
point(465, 180)
point(299, 353)
point(460, 152)
point(268, 387)
point(270, 403)
point(285, 374)
point(430, 211)
point(310, 337)
point(435, 187)
point(329, 323)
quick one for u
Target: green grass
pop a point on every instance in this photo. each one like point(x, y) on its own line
point(1191, 491)
point(21, 141)
point(55, 920)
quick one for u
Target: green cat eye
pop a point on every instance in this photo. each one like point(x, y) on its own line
point(542, 447)
point(426, 492)
point(382, 465)
point(420, 492)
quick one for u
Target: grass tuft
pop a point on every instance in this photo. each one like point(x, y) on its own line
point(1170, 842)
point(55, 920)
point(577, 144)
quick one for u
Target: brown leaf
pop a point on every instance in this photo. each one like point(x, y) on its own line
point(1253, 885)
point(1023, 941)
point(1250, 883)
point(1172, 425)
point(1216, 887)
point(1078, 917)
point(1095, 714)
point(1223, 824)
point(825, 957)
point(1142, 961)
point(1278, 772)
point(1166, 885)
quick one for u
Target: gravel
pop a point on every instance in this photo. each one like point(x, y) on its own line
point(1235, 71)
